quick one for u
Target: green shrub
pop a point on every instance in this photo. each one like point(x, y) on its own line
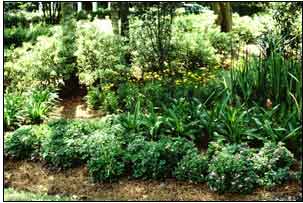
point(156, 160)
point(110, 103)
point(192, 167)
point(128, 94)
point(194, 50)
point(100, 57)
point(272, 164)
point(11, 20)
point(94, 97)
point(231, 170)
point(39, 104)
point(13, 110)
point(17, 35)
point(106, 163)
point(62, 146)
point(24, 142)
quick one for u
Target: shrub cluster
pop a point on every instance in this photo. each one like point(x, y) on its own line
point(225, 167)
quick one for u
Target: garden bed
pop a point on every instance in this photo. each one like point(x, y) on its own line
point(34, 177)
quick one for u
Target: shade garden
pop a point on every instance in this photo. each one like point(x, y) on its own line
point(205, 93)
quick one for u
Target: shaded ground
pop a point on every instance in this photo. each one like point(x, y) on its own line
point(33, 177)
point(17, 195)
point(74, 108)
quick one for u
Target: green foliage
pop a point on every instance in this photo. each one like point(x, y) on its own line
point(132, 122)
point(231, 170)
point(272, 164)
point(15, 36)
point(62, 146)
point(192, 167)
point(288, 21)
point(233, 124)
point(24, 142)
point(128, 94)
point(156, 160)
point(39, 103)
point(184, 119)
point(194, 50)
point(153, 52)
point(275, 78)
point(94, 97)
point(100, 57)
point(67, 44)
point(106, 163)
point(13, 110)
point(110, 103)
point(249, 8)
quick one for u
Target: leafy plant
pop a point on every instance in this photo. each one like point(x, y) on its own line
point(192, 167)
point(181, 119)
point(94, 97)
point(231, 170)
point(106, 163)
point(39, 103)
point(23, 143)
point(272, 164)
point(13, 110)
point(234, 122)
point(132, 122)
point(110, 102)
point(62, 146)
point(156, 160)
point(100, 57)
point(151, 124)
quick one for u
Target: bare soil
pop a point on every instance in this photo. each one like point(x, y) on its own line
point(74, 108)
point(34, 177)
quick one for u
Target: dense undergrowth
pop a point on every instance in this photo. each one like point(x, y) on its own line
point(208, 111)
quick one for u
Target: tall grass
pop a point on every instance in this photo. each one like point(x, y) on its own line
point(273, 79)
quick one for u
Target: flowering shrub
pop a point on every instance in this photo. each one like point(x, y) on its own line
point(231, 170)
point(272, 164)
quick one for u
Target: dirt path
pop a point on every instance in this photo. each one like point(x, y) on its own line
point(33, 177)
point(74, 108)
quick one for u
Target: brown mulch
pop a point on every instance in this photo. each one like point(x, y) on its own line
point(34, 177)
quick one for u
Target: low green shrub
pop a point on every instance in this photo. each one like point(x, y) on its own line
point(63, 145)
point(24, 142)
point(192, 167)
point(232, 170)
point(156, 160)
point(272, 164)
point(11, 20)
point(107, 161)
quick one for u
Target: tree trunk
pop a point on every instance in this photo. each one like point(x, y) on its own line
point(115, 17)
point(124, 11)
point(224, 19)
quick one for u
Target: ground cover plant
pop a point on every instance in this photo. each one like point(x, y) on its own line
point(206, 93)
